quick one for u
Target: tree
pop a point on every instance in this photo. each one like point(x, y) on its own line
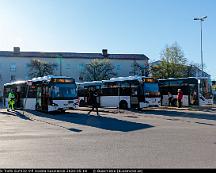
point(139, 69)
point(173, 64)
point(38, 68)
point(98, 69)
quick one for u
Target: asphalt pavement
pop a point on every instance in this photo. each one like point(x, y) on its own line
point(152, 138)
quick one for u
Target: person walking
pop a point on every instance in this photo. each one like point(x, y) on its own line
point(93, 95)
point(179, 98)
point(11, 101)
point(170, 98)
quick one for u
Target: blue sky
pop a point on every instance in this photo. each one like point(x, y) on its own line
point(121, 26)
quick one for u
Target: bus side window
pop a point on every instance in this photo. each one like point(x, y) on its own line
point(134, 91)
point(32, 91)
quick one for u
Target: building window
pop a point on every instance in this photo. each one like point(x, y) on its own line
point(26, 72)
point(13, 77)
point(68, 66)
point(81, 67)
point(26, 77)
point(118, 67)
point(13, 67)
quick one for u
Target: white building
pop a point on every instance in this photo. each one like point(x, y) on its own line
point(14, 64)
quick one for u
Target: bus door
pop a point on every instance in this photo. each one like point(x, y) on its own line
point(87, 95)
point(42, 99)
point(134, 85)
point(134, 98)
point(193, 94)
point(45, 97)
point(38, 98)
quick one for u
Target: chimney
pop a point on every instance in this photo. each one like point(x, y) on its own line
point(105, 53)
point(16, 50)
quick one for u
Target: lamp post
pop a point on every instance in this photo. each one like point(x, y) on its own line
point(201, 19)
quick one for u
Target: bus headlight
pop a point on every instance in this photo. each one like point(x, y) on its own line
point(147, 94)
point(54, 104)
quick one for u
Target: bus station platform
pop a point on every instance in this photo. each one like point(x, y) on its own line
point(207, 108)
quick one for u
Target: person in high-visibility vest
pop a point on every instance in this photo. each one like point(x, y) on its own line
point(11, 100)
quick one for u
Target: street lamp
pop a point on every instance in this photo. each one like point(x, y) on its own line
point(201, 19)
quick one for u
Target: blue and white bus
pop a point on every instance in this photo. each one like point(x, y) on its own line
point(48, 93)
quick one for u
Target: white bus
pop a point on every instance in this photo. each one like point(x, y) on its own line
point(130, 92)
point(123, 92)
point(196, 90)
point(48, 93)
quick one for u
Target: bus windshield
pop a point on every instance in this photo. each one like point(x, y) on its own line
point(63, 91)
point(151, 87)
point(205, 88)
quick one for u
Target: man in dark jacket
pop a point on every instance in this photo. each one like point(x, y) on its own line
point(93, 101)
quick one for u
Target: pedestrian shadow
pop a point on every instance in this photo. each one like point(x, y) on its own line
point(181, 114)
point(25, 117)
point(17, 114)
point(106, 123)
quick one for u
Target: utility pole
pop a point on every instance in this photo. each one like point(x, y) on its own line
point(201, 19)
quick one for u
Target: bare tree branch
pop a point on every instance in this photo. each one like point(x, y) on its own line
point(38, 68)
point(98, 69)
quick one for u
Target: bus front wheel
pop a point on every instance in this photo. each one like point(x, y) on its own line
point(82, 103)
point(123, 105)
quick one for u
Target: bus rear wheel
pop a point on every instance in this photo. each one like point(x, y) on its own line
point(123, 105)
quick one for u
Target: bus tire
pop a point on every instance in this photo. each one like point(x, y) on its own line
point(139, 109)
point(82, 103)
point(37, 107)
point(123, 104)
point(62, 111)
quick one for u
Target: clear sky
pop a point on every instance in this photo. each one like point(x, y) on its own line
point(121, 26)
